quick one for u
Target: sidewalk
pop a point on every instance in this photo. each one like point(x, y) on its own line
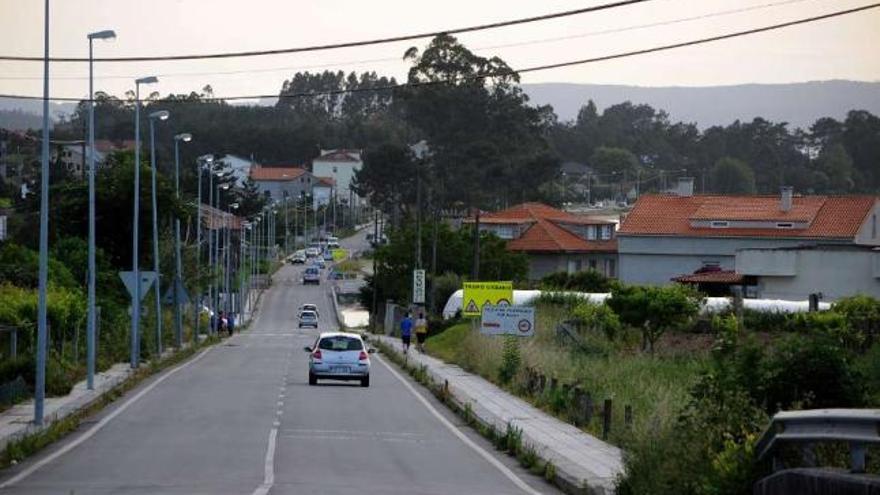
point(581, 460)
point(17, 421)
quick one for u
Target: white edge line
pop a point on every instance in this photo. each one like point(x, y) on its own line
point(269, 466)
point(100, 424)
point(461, 436)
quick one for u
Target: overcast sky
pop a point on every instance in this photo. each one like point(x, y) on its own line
point(840, 48)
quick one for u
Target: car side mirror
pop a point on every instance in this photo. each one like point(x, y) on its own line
point(371, 351)
point(307, 349)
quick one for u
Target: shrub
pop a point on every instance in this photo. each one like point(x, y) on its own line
point(596, 318)
point(654, 309)
point(583, 281)
point(510, 360)
point(863, 315)
point(443, 286)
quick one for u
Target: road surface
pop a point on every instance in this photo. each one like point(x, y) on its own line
point(241, 419)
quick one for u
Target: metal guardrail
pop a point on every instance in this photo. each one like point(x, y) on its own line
point(857, 427)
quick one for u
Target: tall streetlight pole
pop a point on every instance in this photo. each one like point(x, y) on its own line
point(178, 265)
point(42, 330)
point(135, 236)
point(90, 324)
point(160, 115)
point(208, 162)
point(286, 227)
point(218, 232)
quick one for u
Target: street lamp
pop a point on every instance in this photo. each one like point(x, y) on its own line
point(135, 235)
point(208, 163)
point(217, 240)
point(178, 267)
point(90, 324)
point(160, 116)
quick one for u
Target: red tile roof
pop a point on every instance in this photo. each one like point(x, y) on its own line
point(340, 155)
point(325, 181)
point(838, 217)
point(276, 173)
point(547, 232)
point(214, 218)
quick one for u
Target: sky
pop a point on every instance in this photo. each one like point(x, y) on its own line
point(839, 48)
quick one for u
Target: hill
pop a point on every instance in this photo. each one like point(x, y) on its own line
point(799, 104)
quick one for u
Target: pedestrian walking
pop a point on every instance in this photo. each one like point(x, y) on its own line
point(421, 326)
point(406, 326)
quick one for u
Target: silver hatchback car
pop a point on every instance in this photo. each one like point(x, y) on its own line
point(339, 356)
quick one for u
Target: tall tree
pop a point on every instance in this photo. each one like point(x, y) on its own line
point(732, 176)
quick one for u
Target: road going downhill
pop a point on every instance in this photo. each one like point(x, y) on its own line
point(242, 419)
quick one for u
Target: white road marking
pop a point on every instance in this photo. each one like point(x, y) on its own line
point(100, 424)
point(268, 466)
point(461, 436)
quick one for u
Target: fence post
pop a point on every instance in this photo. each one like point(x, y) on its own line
point(577, 401)
point(857, 457)
point(13, 343)
point(588, 408)
point(542, 383)
point(606, 419)
point(628, 416)
point(554, 382)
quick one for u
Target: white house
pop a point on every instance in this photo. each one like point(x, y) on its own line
point(322, 191)
point(237, 166)
point(281, 181)
point(339, 165)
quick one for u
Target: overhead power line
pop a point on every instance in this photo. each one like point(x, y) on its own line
point(334, 46)
point(398, 59)
point(504, 73)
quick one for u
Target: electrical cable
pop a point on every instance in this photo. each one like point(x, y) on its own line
point(398, 59)
point(333, 46)
point(512, 72)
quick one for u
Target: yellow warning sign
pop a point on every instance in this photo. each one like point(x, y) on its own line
point(478, 294)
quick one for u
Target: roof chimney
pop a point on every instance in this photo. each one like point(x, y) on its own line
point(785, 198)
point(686, 186)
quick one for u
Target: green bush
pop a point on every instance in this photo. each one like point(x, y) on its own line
point(443, 286)
point(510, 360)
point(654, 310)
point(596, 318)
point(583, 281)
point(863, 315)
point(20, 266)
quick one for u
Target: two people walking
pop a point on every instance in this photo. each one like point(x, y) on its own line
point(406, 329)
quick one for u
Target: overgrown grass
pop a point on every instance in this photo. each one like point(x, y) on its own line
point(655, 387)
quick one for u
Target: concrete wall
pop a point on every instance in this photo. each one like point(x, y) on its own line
point(656, 260)
point(541, 265)
point(836, 273)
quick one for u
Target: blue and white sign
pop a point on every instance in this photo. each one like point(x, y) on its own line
point(508, 320)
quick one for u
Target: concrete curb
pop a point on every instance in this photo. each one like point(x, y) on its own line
point(582, 470)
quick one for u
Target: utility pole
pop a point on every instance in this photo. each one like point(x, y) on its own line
point(475, 271)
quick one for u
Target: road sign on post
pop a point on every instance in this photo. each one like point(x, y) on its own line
point(479, 294)
point(147, 279)
point(508, 320)
point(180, 296)
point(418, 287)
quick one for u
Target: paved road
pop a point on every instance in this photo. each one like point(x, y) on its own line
point(241, 419)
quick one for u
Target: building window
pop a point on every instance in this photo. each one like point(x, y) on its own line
point(784, 225)
point(719, 224)
point(593, 264)
point(572, 267)
point(610, 268)
point(504, 231)
point(591, 233)
point(335, 170)
point(2, 227)
point(606, 232)
point(711, 264)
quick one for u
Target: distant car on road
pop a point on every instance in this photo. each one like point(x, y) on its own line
point(312, 252)
point(319, 263)
point(310, 307)
point(328, 255)
point(312, 275)
point(308, 319)
point(298, 258)
point(333, 245)
point(339, 356)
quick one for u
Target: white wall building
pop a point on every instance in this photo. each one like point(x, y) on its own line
point(238, 166)
point(339, 165)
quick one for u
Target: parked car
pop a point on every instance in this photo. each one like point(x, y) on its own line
point(310, 307)
point(308, 319)
point(339, 356)
point(311, 275)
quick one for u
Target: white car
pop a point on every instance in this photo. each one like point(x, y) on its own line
point(312, 252)
point(308, 319)
point(310, 307)
point(339, 356)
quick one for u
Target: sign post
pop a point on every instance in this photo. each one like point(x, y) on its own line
point(508, 320)
point(418, 287)
point(479, 294)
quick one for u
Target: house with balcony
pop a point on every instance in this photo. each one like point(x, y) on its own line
point(555, 240)
point(696, 238)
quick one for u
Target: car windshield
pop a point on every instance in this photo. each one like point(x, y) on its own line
point(340, 343)
point(311, 271)
point(307, 315)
